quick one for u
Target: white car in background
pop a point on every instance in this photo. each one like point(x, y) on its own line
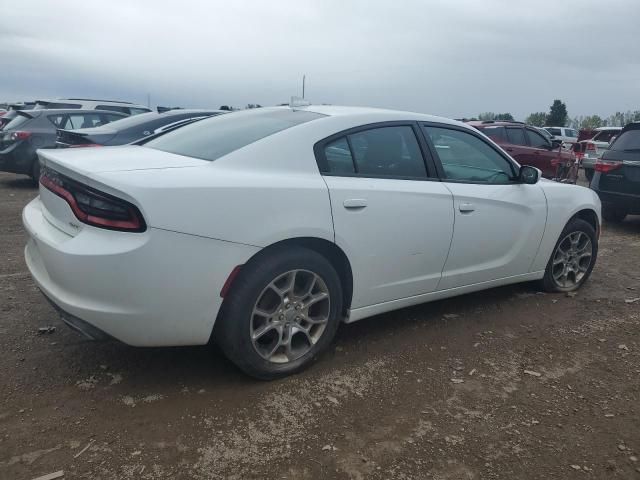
point(264, 229)
point(567, 135)
point(593, 148)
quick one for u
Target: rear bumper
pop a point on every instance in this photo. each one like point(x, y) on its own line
point(630, 203)
point(156, 288)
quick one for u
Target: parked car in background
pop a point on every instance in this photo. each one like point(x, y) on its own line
point(590, 150)
point(7, 117)
point(21, 106)
point(89, 104)
point(30, 130)
point(271, 226)
point(130, 129)
point(568, 135)
point(527, 145)
point(617, 175)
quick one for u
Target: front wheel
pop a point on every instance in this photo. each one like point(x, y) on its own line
point(573, 258)
point(282, 311)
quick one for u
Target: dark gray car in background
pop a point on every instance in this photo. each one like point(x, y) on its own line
point(130, 129)
point(30, 130)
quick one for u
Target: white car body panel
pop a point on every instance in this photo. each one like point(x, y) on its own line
point(409, 244)
point(499, 238)
point(395, 255)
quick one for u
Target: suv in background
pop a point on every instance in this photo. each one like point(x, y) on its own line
point(568, 135)
point(527, 145)
point(127, 108)
point(590, 150)
point(617, 175)
point(34, 129)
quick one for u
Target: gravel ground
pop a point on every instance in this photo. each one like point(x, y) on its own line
point(508, 383)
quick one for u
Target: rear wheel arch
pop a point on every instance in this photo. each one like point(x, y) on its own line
point(329, 250)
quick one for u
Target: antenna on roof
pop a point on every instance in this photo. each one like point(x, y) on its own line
point(297, 102)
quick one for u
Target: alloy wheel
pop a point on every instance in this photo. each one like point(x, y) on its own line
point(572, 259)
point(290, 316)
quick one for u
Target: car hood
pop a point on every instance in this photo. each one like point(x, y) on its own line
point(91, 160)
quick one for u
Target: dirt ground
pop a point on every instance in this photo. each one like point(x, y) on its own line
point(508, 383)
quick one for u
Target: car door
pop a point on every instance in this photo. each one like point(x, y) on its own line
point(499, 222)
point(516, 144)
point(392, 216)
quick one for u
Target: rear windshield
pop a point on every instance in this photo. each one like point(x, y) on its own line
point(17, 122)
point(628, 141)
point(215, 137)
point(128, 122)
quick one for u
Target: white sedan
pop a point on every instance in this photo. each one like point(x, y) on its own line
point(264, 229)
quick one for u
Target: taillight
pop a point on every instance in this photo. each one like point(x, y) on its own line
point(606, 166)
point(93, 207)
point(591, 146)
point(15, 136)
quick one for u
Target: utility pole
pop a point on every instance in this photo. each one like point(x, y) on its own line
point(304, 77)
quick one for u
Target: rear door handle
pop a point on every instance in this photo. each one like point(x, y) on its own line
point(355, 203)
point(466, 208)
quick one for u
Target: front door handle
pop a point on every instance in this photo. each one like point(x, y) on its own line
point(466, 208)
point(355, 203)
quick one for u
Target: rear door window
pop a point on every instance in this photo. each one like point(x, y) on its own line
point(629, 141)
point(338, 156)
point(515, 136)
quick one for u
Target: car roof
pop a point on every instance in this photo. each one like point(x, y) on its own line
point(91, 101)
point(376, 114)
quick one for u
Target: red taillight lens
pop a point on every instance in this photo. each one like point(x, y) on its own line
point(606, 166)
point(93, 207)
point(591, 146)
point(15, 136)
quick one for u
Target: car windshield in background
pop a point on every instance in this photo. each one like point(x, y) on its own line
point(495, 133)
point(16, 122)
point(628, 141)
point(213, 138)
point(605, 135)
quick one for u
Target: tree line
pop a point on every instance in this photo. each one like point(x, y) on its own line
point(558, 116)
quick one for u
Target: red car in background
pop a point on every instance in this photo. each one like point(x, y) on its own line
point(527, 145)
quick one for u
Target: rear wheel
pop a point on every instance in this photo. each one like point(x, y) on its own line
point(573, 258)
point(282, 311)
point(613, 214)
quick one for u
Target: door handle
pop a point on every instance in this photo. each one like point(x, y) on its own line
point(466, 208)
point(355, 203)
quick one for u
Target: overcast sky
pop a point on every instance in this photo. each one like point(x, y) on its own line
point(450, 58)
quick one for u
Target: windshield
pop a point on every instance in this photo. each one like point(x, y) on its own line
point(215, 137)
point(629, 140)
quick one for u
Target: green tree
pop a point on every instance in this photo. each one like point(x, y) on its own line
point(557, 114)
point(537, 119)
point(591, 121)
point(504, 117)
point(486, 116)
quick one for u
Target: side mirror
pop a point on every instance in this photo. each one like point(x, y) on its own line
point(529, 175)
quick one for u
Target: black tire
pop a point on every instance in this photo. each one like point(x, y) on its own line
point(549, 284)
point(588, 172)
point(35, 172)
point(233, 325)
point(613, 214)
